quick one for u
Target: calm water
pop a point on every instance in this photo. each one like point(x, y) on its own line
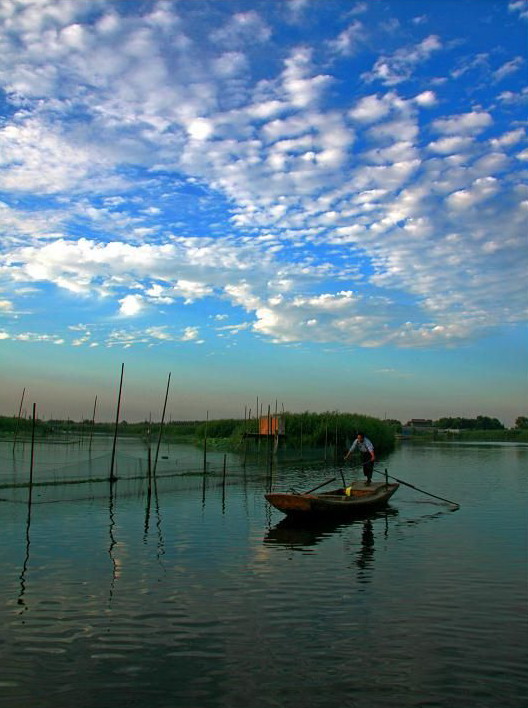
point(197, 594)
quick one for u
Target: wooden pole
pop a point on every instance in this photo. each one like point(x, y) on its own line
point(258, 415)
point(93, 424)
point(205, 444)
point(276, 434)
point(32, 446)
point(149, 486)
point(245, 435)
point(270, 440)
point(224, 485)
point(18, 418)
point(112, 463)
point(301, 444)
point(161, 425)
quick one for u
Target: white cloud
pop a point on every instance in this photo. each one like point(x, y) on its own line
point(520, 6)
point(426, 99)
point(230, 64)
point(131, 305)
point(33, 337)
point(35, 157)
point(242, 28)
point(370, 109)
point(347, 42)
point(512, 137)
point(514, 98)
point(190, 334)
point(508, 68)
point(451, 145)
point(200, 128)
point(393, 70)
point(465, 124)
point(191, 290)
point(159, 333)
point(359, 8)
point(302, 87)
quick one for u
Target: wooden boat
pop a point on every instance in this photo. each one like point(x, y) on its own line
point(358, 498)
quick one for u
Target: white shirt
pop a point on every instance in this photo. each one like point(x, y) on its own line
point(365, 446)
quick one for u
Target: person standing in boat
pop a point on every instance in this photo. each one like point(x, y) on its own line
point(366, 449)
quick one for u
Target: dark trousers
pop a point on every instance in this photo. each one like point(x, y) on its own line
point(368, 465)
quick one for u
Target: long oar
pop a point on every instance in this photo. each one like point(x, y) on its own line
point(407, 484)
point(320, 485)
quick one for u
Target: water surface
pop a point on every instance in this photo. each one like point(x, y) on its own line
point(193, 592)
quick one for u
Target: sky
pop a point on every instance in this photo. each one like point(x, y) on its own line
point(322, 203)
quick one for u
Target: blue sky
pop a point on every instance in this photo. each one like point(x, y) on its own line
point(322, 203)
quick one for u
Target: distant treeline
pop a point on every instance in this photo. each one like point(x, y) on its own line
point(70, 427)
point(307, 429)
point(481, 422)
point(331, 429)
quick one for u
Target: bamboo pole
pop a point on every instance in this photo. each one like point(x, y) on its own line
point(270, 440)
point(205, 444)
point(112, 476)
point(302, 461)
point(335, 448)
point(32, 446)
point(245, 435)
point(93, 424)
point(18, 418)
point(276, 434)
point(161, 425)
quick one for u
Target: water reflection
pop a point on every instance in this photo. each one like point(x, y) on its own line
point(366, 553)
point(25, 566)
point(298, 534)
point(111, 529)
point(160, 546)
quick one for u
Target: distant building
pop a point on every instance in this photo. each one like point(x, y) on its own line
point(419, 423)
point(272, 427)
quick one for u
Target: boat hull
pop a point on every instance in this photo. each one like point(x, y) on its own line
point(362, 498)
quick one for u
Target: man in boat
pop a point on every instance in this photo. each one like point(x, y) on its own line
point(366, 449)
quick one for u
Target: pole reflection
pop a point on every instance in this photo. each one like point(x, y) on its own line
point(112, 544)
point(21, 601)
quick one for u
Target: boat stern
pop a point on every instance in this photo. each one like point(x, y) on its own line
point(289, 503)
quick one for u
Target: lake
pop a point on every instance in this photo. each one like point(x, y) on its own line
point(193, 592)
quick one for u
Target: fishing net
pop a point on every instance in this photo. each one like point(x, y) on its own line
point(71, 470)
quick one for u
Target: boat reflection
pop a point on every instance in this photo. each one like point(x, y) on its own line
point(297, 534)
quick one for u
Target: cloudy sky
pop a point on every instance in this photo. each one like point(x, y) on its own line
point(320, 202)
